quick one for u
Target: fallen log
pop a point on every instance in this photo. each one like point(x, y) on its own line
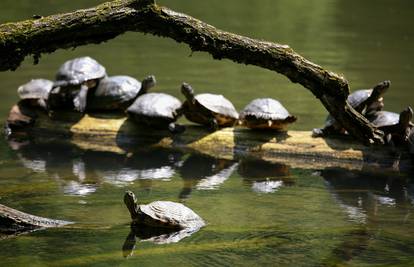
point(14, 222)
point(113, 132)
point(106, 21)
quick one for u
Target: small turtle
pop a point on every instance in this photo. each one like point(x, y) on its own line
point(266, 113)
point(208, 109)
point(118, 92)
point(35, 92)
point(158, 110)
point(365, 101)
point(396, 127)
point(165, 214)
point(73, 80)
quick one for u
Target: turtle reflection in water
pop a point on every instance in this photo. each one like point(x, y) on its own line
point(204, 172)
point(173, 220)
point(264, 176)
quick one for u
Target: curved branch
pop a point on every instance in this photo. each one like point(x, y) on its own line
point(106, 21)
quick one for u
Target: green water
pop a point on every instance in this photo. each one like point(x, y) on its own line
point(258, 214)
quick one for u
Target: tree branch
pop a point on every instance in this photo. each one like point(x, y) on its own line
point(106, 21)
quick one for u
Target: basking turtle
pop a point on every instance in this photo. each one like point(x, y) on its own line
point(208, 109)
point(35, 92)
point(165, 214)
point(73, 80)
point(118, 92)
point(365, 101)
point(266, 113)
point(158, 110)
point(396, 127)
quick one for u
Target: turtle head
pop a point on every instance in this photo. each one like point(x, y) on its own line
point(406, 116)
point(130, 201)
point(187, 91)
point(381, 88)
point(148, 83)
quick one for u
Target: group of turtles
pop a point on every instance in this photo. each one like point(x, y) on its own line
point(397, 127)
point(82, 85)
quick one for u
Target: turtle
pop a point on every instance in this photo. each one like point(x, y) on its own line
point(35, 92)
point(364, 101)
point(208, 109)
point(158, 110)
point(266, 113)
point(396, 127)
point(118, 92)
point(164, 214)
point(73, 81)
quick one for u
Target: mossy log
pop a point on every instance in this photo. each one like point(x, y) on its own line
point(113, 132)
point(106, 21)
point(13, 221)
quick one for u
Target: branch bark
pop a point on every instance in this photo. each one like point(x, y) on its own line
point(14, 221)
point(106, 21)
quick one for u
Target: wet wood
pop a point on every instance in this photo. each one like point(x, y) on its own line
point(13, 221)
point(115, 133)
point(106, 21)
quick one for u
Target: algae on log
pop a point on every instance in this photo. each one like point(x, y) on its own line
point(106, 21)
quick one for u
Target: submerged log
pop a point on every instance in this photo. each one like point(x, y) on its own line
point(116, 133)
point(106, 21)
point(13, 221)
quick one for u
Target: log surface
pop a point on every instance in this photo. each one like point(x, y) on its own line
point(14, 221)
point(115, 133)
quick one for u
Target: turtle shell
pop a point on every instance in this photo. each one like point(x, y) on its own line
point(115, 92)
point(155, 105)
point(384, 118)
point(35, 89)
point(170, 215)
point(265, 108)
point(359, 96)
point(217, 104)
point(76, 71)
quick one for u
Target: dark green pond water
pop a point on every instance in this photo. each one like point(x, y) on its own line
point(258, 213)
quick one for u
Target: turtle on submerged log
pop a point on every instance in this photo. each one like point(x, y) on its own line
point(13, 221)
point(164, 214)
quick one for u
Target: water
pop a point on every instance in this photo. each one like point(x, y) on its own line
point(258, 213)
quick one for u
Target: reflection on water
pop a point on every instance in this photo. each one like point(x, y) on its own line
point(263, 176)
point(337, 215)
point(379, 204)
point(204, 172)
point(156, 235)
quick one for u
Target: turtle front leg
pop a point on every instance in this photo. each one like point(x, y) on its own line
point(80, 100)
